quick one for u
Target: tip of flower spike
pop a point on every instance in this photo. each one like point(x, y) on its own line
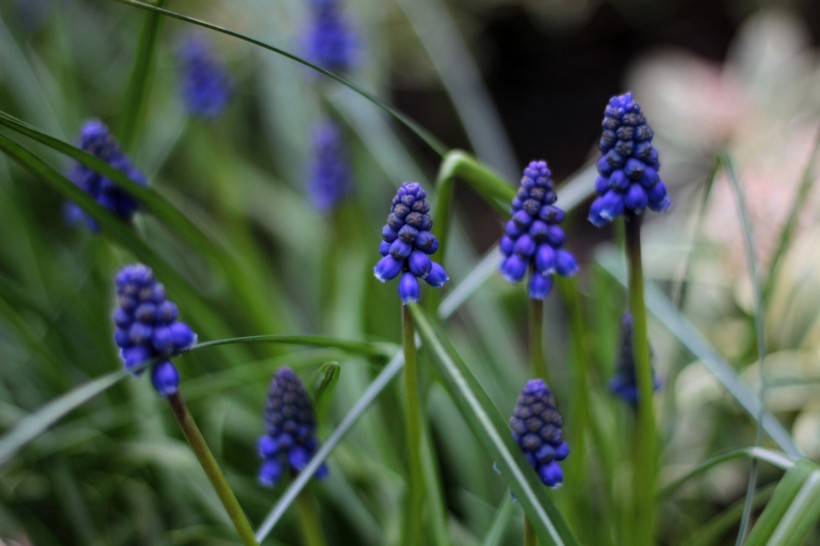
point(165, 378)
point(408, 288)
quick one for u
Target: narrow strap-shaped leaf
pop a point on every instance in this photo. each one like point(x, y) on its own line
point(774, 458)
point(435, 144)
point(165, 211)
point(139, 84)
point(802, 515)
point(499, 523)
point(663, 309)
point(493, 432)
point(120, 232)
point(751, 261)
point(792, 510)
point(39, 421)
point(31, 426)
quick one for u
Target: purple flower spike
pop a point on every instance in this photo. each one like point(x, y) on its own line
point(147, 326)
point(628, 167)
point(329, 42)
point(533, 239)
point(206, 86)
point(329, 177)
point(624, 383)
point(407, 244)
point(536, 428)
point(290, 439)
point(96, 139)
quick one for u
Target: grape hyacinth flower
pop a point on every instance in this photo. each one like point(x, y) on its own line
point(536, 428)
point(628, 169)
point(329, 43)
point(407, 244)
point(206, 86)
point(290, 438)
point(96, 139)
point(532, 238)
point(329, 176)
point(147, 326)
point(624, 383)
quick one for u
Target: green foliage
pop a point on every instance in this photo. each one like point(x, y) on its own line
point(90, 455)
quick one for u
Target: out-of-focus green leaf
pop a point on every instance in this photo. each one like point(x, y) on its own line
point(420, 131)
point(660, 306)
point(793, 509)
point(494, 433)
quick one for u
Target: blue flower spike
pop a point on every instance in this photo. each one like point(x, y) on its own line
point(147, 326)
point(532, 239)
point(536, 427)
point(290, 439)
point(624, 383)
point(628, 169)
point(329, 177)
point(96, 139)
point(206, 86)
point(407, 244)
point(329, 42)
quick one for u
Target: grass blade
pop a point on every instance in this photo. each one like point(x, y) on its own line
point(31, 426)
point(793, 509)
point(220, 254)
point(492, 430)
point(139, 84)
point(772, 457)
point(663, 309)
point(787, 233)
point(427, 137)
point(751, 260)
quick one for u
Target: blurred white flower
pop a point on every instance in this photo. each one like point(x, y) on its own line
point(761, 107)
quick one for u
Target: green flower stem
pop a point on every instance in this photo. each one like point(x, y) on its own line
point(537, 358)
point(140, 80)
point(413, 515)
point(309, 519)
point(644, 468)
point(539, 369)
point(211, 468)
point(577, 423)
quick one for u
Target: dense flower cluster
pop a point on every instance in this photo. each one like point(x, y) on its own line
point(628, 169)
point(407, 244)
point(147, 326)
point(290, 437)
point(532, 238)
point(536, 427)
point(624, 383)
point(206, 86)
point(329, 177)
point(96, 139)
point(329, 43)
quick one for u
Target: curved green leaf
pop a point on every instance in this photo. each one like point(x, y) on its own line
point(492, 430)
point(39, 421)
point(793, 509)
point(435, 144)
point(31, 426)
point(220, 255)
point(772, 457)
